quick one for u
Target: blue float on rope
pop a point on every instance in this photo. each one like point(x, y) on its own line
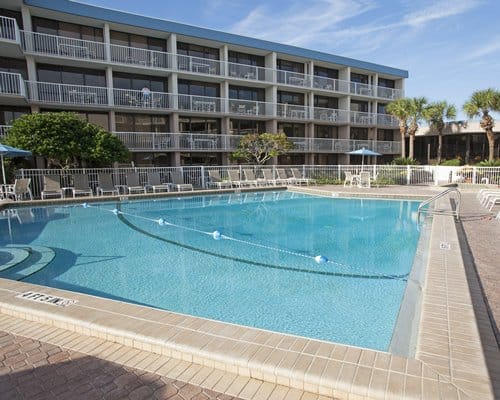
point(216, 235)
point(320, 259)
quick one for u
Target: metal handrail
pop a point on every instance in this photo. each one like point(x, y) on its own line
point(455, 213)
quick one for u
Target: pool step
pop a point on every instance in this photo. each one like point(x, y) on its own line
point(25, 260)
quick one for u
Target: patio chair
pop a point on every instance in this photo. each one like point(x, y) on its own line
point(364, 180)
point(215, 180)
point(269, 177)
point(156, 184)
point(178, 183)
point(284, 178)
point(81, 186)
point(350, 178)
point(133, 183)
point(250, 178)
point(300, 179)
point(20, 189)
point(105, 185)
point(51, 187)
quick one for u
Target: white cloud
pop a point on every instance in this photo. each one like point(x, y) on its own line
point(493, 46)
point(439, 10)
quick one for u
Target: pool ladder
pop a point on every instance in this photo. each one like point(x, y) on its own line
point(454, 212)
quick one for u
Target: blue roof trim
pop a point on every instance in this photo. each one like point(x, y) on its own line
point(104, 14)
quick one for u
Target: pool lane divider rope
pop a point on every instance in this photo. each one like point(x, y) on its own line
point(216, 235)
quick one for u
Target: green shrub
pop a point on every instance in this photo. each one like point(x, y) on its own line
point(487, 163)
point(455, 162)
point(404, 161)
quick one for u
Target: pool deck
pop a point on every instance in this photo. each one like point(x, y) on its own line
point(457, 353)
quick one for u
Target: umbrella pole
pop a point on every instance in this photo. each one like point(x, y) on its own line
point(3, 170)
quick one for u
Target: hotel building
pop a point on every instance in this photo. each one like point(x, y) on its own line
point(177, 95)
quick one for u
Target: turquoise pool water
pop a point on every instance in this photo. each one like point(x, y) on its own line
point(262, 271)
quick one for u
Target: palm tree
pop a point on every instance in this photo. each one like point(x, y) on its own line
point(435, 114)
point(401, 109)
point(417, 106)
point(482, 103)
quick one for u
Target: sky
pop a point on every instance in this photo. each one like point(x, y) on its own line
point(450, 48)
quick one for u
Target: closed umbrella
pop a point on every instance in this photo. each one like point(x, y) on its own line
point(9, 151)
point(364, 152)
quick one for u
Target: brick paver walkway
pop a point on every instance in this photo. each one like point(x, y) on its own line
point(34, 370)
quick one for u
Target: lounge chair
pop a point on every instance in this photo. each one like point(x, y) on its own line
point(364, 180)
point(51, 187)
point(178, 183)
point(215, 180)
point(284, 178)
point(155, 183)
point(81, 186)
point(133, 183)
point(250, 178)
point(300, 179)
point(234, 177)
point(269, 177)
point(20, 189)
point(106, 185)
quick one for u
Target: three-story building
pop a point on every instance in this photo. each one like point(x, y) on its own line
point(181, 95)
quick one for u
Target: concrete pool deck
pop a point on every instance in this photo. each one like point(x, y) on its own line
point(456, 354)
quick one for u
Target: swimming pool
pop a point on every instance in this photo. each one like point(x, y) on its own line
point(262, 271)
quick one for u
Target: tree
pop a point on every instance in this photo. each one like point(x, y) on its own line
point(417, 106)
point(401, 109)
point(435, 114)
point(66, 140)
point(260, 147)
point(481, 104)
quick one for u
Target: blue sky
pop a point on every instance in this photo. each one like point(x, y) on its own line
point(450, 47)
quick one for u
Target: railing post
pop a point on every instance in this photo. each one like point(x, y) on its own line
point(474, 172)
point(408, 174)
point(202, 177)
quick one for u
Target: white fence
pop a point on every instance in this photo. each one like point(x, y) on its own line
point(198, 176)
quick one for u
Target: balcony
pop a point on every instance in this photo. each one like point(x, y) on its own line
point(3, 130)
point(75, 95)
point(209, 142)
point(12, 84)
point(9, 31)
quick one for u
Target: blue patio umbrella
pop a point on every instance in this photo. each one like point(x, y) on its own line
point(363, 152)
point(9, 151)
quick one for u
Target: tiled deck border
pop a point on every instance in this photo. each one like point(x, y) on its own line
point(449, 363)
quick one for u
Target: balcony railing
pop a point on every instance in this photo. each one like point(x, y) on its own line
point(210, 142)
point(12, 84)
point(363, 118)
point(3, 130)
point(9, 29)
point(62, 46)
point(44, 92)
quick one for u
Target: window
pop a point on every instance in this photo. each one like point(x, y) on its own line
point(13, 14)
point(137, 82)
point(285, 65)
point(9, 114)
point(60, 28)
point(326, 102)
point(70, 75)
point(326, 72)
point(388, 83)
point(137, 41)
point(195, 50)
point(196, 88)
point(194, 124)
point(359, 78)
point(243, 127)
point(381, 108)
point(291, 98)
point(325, 132)
point(359, 133)
point(360, 106)
point(385, 134)
point(292, 129)
point(14, 66)
point(141, 123)
point(246, 93)
point(247, 59)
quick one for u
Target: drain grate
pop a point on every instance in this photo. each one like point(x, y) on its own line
point(444, 246)
point(47, 298)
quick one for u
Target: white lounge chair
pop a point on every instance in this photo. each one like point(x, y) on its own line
point(364, 180)
point(269, 177)
point(300, 178)
point(81, 185)
point(215, 180)
point(106, 185)
point(177, 181)
point(51, 187)
point(154, 182)
point(234, 177)
point(20, 189)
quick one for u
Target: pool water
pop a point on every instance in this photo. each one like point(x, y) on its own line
point(250, 259)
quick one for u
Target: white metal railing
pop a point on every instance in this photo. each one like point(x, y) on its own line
point(248, 107)
point(12, 84)
point(330, 84)
point(203, 104)
point(362, 89)
point(292, 78)
point(44, 92)
point(139, 99)
point(141, 57)
point(9, 29)
point(199, 65)
point(61, 46)
point(3, 130)
point(362, 118)
point(330, 115)
point(250, 72)
point(292, 111)
point(389, 93)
